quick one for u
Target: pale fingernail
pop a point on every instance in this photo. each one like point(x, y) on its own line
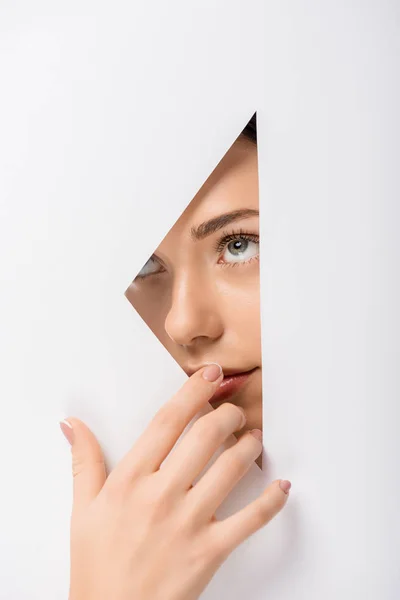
point(244, 418)
point(67, 430)
point(257, 434)
point(212, 372)
point(285, 485)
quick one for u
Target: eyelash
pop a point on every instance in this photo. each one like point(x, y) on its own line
point(233, 236)
point(223, 241)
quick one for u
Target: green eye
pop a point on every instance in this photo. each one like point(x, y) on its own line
point(240, 250)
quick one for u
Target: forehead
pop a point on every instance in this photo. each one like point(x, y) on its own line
point(232, 185)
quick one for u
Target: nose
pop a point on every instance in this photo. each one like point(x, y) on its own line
point(194, 313)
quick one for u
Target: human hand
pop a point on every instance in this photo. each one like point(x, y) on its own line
point(145, 532)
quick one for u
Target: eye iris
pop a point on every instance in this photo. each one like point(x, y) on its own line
point(238, 246)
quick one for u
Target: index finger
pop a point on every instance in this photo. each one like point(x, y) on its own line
point(160, 436)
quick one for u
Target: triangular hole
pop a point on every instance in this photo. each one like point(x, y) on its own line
point(199, 292)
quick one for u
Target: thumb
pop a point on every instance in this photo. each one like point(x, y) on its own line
point(88, 466)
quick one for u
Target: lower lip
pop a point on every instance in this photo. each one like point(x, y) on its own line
point(230, 385)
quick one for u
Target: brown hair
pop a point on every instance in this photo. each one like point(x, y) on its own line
point(250, 131)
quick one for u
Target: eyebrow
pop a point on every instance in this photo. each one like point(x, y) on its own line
point(209, 227)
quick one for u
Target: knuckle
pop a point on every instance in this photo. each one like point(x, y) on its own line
point(82, 464)
point(116, 488)
point(237, 462)
point(167, 417)
point(231, 410)
point(77, 466)
point(149, 496)
point(209, 427)
point(154, 509)
point(163, 487)
point(155, 499)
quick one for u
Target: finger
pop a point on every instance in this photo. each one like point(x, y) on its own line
point(88, 466)
point(201, 442)
point(231, 532)
point(156, 442)
point(215, 485)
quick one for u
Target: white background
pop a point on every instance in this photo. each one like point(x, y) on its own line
point(111, 118)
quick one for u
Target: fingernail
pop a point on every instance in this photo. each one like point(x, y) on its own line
point(285, 485)
point(67, 430)
point(257, 434)
point(212, 372)
point(244, 418)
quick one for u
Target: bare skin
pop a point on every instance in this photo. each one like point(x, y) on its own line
point(145, 532)
point(201, 297)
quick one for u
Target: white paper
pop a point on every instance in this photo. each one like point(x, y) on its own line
point(113, 117)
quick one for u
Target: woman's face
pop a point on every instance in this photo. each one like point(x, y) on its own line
point(199, 292)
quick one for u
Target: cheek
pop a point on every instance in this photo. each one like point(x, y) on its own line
point(241, 308)
point(154, 309)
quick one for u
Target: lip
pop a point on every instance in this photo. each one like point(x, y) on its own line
point(231, 383)
point(227, 372)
